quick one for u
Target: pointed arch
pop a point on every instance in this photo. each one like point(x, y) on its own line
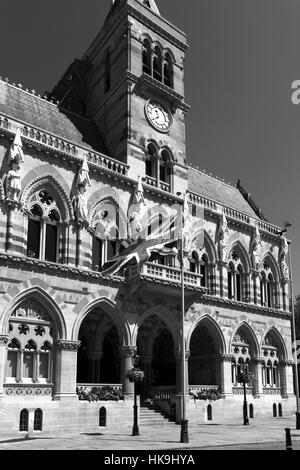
point(279, 341)
point(250, 335)
point(213, 327)
point(269, 258)
point(210, 248)
point(109, 307)
point(43, 294)
point(242, 252)
point(112, 203)
point(53, 182)
point(165, 316)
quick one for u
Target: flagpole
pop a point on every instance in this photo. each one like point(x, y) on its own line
point(294, 338)
point(184, 436)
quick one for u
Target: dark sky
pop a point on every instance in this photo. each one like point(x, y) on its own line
point(242, 60)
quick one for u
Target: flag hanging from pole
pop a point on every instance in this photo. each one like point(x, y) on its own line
point(162, 240)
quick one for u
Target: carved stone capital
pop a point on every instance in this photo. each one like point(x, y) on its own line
point(286, 363)
point(224, 358)
point(67, 345)
point(259, 360)
point(178, 355)
point(3, 340)
point(128, 351)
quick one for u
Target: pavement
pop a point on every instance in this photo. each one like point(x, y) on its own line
point(265, 433)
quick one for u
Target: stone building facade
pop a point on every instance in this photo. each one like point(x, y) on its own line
point(73, 162)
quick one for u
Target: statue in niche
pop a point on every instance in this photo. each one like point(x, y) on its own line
point(80, 204)
point(135, 212)
point(13, 177)
point(80, 200)
point(83, 177)
point(13, 182)
point(283, 258)
point(255, 249)
point(222, 233)
point(16, 150)
point(106, 228)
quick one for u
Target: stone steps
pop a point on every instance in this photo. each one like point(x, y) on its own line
point(149, 415)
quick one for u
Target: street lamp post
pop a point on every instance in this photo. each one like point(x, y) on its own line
point(184, 434)
point(244, 379)
point(135, 375)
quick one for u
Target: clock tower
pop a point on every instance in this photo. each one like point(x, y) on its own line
point(131, 84)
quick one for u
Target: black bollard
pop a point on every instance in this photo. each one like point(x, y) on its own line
point(288, 439)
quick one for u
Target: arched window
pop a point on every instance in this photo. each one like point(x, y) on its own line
point(13, 355)
point(274, 410)
point(43, 228)
point(107, 72)
point(29, 360)
point(157, 64)
point(165, 170)
point(147, 57)
point(97, 253)
point(251, 411)
point(102, 416)
point(159, 169)
point(106, 242)
point(168, 71)
point(24, 415)
point(29, 356)
point(38, 420)
point(44, 363)
point(242, 355)
point(236, 278)
point(280, 410)
point(151, 159)
point(268, 292)
point(209, 413)
point(204, 270)
point(270, 370)
point(200, 266)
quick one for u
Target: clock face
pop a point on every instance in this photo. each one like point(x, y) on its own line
point(158, 116)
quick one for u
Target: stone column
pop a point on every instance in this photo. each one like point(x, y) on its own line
point(94, 366)
point(147, 361)
point(258, 383)
point(256, 287)
point(3, 356)
point(178, 355)
point(66, 369)
point(286, 378)
point(127, 353)
point(225, 361)
point(223, 279)
point(285, 295)
point(98, 356)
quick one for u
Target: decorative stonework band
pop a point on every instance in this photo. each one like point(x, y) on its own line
point(128, 351)
point(28, 390)
point(67, 345)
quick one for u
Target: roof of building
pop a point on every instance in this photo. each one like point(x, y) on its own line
point(40, 113)
point(219, 191)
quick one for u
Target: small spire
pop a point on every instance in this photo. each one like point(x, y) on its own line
point(151, 4)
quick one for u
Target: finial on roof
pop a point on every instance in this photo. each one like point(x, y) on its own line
point(33, 92)
point(20, 85)
point(150, 4)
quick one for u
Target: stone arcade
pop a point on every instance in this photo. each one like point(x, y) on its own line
point(109, 134)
